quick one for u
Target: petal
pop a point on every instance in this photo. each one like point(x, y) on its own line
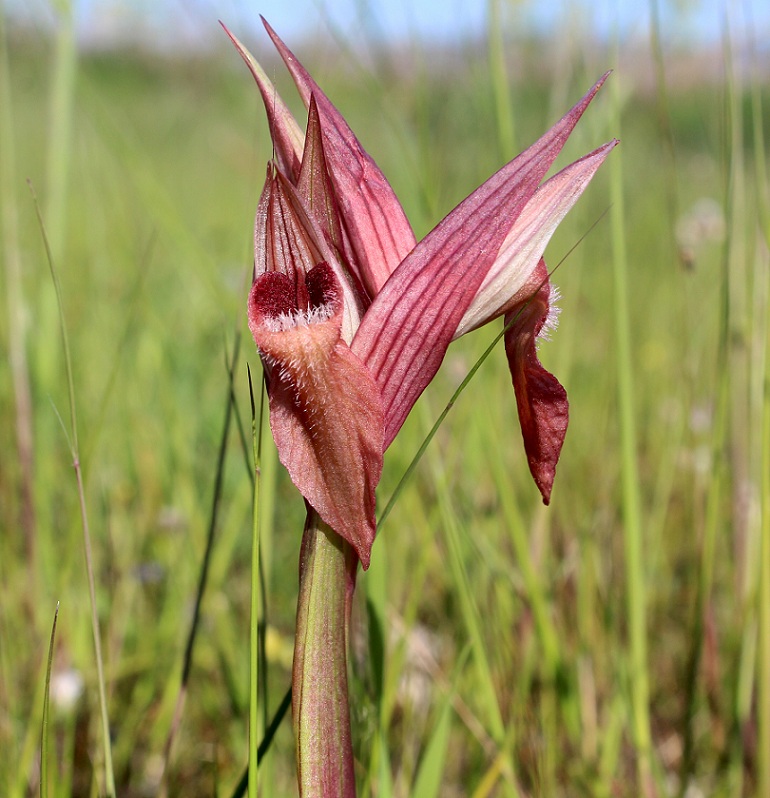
point(325, 412)
point(525, 243)
point(373, 217)
point(314, 184)
point(541, 400)
point(282, 243)
point(315, 188)
point(405, 333)
point(287, 239)
point(287, 136)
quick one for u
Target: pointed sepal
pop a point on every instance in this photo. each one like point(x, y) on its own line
point(287, 135)
point(527, 239)
point(405, 333)
point(379, 231)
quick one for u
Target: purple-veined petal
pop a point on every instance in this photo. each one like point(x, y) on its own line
point(525, 243)
point(379, 231)
point(325, 412)
point(314, 184)
point(281, 242)
point(404, 334)
point(288, 239)
point(315, 189)
point(540, 398)
point(288, 138)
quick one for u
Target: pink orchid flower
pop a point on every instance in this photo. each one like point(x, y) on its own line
point(353, 317)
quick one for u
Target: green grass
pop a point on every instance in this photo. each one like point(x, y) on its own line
point(499, 648)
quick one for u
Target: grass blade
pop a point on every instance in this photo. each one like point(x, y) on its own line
point(283, 708)
point(498, 71)
point(44, 791)
point(16, 304)
point(64, 69)
point(109, 775)
point(254, 636)
point(635, 560)
point(469, 610)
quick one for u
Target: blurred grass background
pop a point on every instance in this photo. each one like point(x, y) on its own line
point(615, 644)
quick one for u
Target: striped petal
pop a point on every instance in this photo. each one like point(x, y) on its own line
point(520, 254)
point(405, 333)
point(379, 232)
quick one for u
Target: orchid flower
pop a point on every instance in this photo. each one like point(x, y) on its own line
point(352, 318)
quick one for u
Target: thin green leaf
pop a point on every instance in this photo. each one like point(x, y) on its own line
point(46, 711)
point(254, 636)
point(73, 441)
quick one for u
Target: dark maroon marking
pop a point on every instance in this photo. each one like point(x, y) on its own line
point(323, 288)
point(272, 294)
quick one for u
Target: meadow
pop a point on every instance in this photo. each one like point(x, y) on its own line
point(616, 643)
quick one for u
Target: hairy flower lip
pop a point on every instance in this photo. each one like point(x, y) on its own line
point(294, 341)
point(272, 301)
point(273, 294)
point(329, 440)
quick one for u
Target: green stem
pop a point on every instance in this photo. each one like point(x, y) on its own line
point(634, 549)
point(63, 88)
point(109, 775)
point(763, 592)
point(320, 679)
point(256, 429)
point(497, 69)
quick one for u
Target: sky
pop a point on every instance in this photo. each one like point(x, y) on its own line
point(102, 23)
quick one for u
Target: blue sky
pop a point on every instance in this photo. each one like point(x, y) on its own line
point(103, 21)
point(451, 19)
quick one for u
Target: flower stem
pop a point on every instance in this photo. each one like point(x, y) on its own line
point(320, 680)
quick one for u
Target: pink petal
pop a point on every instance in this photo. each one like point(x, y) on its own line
point(541, 400)
point(373, 217)
point(281, 242)
point(314, 184)
point(315, 188)
point(405, 333)
point(288, 239)
point(287, 136)
point(525, 243)
point(325, 412)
